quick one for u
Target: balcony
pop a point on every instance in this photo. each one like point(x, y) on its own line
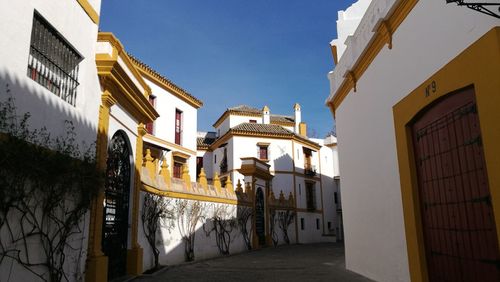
point(310, 170)
point(223, 166)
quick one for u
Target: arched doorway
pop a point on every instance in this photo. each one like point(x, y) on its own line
point(116, 205)
point(260, 224)
point(456, 210)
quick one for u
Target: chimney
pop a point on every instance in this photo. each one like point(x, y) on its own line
point(303, 129)
point(266, 115)
point(298, 117)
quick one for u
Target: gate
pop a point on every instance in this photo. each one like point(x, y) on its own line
point(260, 225)
point(115, 221)
point(456, 210)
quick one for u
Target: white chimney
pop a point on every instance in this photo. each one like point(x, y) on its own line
point(298, 117)
point(266, 115)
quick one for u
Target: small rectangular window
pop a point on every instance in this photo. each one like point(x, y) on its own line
point(302, 223)
point(310, 196)
point(329, 225)
point(150, 126)
point(178, 127)
point(300, 190)
point(199, 166)
point(53, 62)
point(335, 197)
point(317, 223)
point(177, 170)
point(253, 121)
point(263, 152)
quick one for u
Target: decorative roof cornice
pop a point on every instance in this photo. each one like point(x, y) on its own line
point(275, 135)
point(165, 83)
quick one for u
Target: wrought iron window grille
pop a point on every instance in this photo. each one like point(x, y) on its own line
point(491, 8)
point(53, 62)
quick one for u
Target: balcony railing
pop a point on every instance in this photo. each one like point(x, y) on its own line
point(309, 170)
point(223, 166)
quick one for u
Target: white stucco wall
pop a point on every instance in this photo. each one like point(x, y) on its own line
point(46, 108)
point(347, 23)
point(431, 35)
point(170, 242)
point(164, 125)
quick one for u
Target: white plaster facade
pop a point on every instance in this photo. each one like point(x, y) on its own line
point(432, 34)
point(285, 155)
point(347, 23)
point(45, 108)
point(168, 100)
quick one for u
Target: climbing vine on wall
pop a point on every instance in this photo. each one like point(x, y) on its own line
point(221, 223)
point(155, 210)
point(244, 215)
point(46, 187)
point(188, 214)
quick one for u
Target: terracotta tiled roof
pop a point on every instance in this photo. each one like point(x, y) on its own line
point(261, 128)
point(165, 80)
point(280, 118)
point(245, 108)
point(204, 142)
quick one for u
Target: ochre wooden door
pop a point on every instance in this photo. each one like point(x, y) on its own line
point(457, 217)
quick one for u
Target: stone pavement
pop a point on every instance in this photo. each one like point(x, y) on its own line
point(312, 262)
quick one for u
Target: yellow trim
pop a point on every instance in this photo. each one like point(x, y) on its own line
point(478, 65)
point(169, 144)
point(116, 80)
point(301, 140)
point(97, 262)
point(168, 86)
point(335, 56)
point(181, 155)
point(89, 10)
point(186, 196)
point(134, 255)
point(382, 36)
point(119, 51)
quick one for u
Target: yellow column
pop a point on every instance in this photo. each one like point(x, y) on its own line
point(97, 262)
point(165, 173)
point(134, 255)
point(203, 179)
point(217, 183)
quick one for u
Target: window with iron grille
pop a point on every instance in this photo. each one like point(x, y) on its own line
point(310, 196)
point(53, 62)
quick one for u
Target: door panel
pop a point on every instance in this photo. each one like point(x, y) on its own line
point(457, 217)
point(116, 206)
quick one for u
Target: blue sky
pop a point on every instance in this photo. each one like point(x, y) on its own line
point(231, 52)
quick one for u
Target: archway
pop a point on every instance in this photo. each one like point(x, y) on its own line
point(116, 205)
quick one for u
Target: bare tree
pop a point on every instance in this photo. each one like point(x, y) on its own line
point(222, 224)
point(154, 209)
point(272, 224)
point(285, 219)
point(244, 214)
point(189, 213)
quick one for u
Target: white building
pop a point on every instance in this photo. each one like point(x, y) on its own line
point(173, 135)
point(407, 64)
point(47, 65)
point(299, 166)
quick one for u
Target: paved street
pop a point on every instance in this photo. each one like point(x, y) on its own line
point(315, 262)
